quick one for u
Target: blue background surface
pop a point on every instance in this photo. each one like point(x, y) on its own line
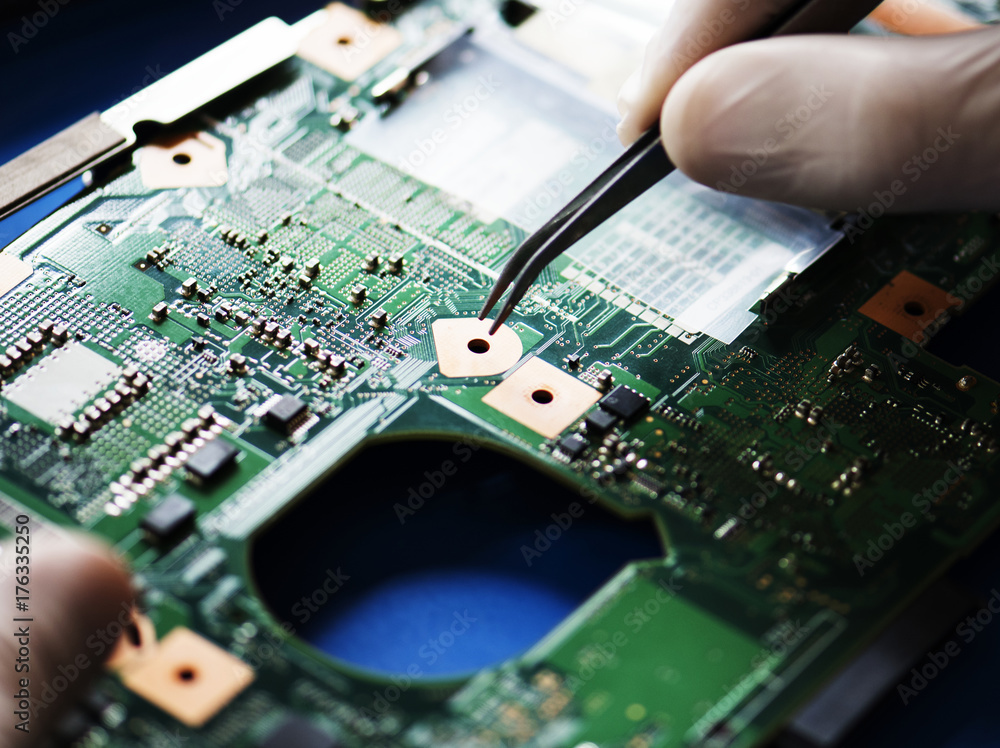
point(92, 53)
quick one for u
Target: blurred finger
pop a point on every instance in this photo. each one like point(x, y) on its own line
point(62, 595)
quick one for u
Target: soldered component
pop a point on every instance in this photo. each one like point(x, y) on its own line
point(336, 364)
point(599, 421)
point(211, 461)
point(237, 364)
point(378, 319)
point(159, 312)
point(573, 446)
point(872, 373)
point(284, 414)
point(169, 520)
point(624, 402)
point(14, 356)
point(223, 311)
point(60, 334)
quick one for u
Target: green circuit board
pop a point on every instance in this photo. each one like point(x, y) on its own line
point(181, 365)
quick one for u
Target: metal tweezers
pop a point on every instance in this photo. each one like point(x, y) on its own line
point(642, 165)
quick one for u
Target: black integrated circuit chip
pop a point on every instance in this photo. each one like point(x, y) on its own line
point(282, 414)
point(599, 421)
point(169, 520)
point(211, 461)
point(573, 445)
point(624, 402)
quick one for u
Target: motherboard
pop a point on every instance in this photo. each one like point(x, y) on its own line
point(196, 349)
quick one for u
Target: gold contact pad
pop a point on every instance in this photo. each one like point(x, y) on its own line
point(191, 160)
point(542, 397)
point(188, 677)
point(348, 43)
point(908, 305)
point(465, 348)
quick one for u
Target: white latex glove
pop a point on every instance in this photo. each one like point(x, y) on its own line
point(823, 121)
point(79, 593)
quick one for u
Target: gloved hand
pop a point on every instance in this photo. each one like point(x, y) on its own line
point(839, 122)
point(79, 596)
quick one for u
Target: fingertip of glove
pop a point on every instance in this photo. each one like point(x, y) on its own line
point(693, 125)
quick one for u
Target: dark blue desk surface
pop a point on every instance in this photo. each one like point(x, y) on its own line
point(91, 53)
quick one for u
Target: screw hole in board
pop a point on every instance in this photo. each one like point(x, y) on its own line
point(478, 345)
